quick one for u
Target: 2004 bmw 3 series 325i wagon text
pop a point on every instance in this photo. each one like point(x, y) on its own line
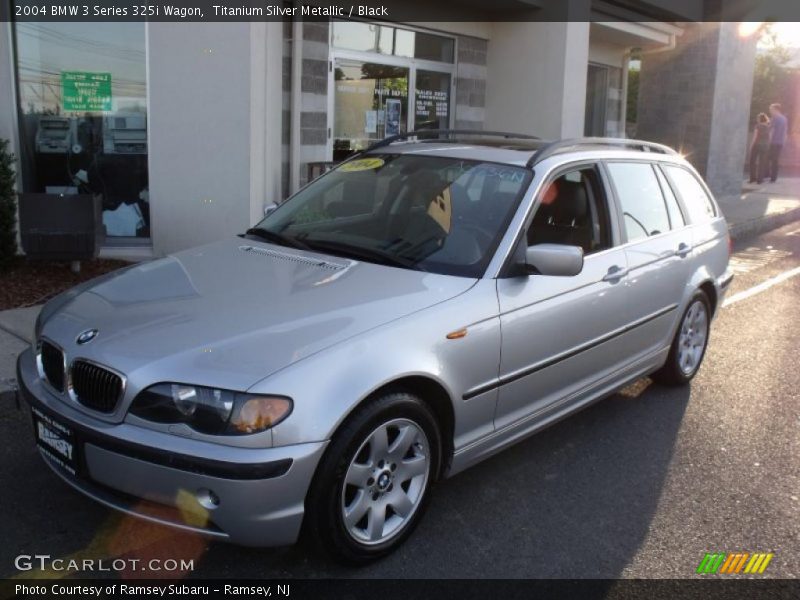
point(420, 307)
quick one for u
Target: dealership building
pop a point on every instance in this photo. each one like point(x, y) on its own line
point(189, 130)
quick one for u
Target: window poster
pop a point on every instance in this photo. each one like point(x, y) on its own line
point(393, 116)
point(371, 121)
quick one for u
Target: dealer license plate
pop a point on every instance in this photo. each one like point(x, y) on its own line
point(56, 441)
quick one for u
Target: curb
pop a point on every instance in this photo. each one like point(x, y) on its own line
point(754, 227)
point(8, 390)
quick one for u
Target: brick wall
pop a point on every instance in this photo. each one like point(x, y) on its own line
point(696, 98)
point(314, 90)
point(676, 94)
point(286, 108)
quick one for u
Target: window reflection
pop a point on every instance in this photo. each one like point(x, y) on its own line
point(369, 37)
point(371, 102)
point(83, 116)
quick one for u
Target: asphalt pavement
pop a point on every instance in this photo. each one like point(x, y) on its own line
point(642, 484)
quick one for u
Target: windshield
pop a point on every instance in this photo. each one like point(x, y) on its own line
point(442, 215)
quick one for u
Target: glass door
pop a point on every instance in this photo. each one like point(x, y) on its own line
point(432, 95)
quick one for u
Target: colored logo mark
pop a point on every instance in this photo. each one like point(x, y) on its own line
point(734, 563)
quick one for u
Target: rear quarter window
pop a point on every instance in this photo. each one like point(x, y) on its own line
point(694, 196)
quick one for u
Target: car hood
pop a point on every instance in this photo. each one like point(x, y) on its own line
point(230, 313)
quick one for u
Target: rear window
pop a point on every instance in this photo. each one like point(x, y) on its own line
point(694, 196)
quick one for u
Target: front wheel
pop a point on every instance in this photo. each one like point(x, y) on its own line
point(372, 485)
point(689, 345)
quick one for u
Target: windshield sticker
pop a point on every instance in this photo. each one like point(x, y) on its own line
point(441, 210)
point(362, 164)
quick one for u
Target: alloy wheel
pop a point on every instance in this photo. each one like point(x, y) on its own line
point(693, 337)
point(385, 482)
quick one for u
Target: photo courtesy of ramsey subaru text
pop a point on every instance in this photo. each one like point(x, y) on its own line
point(422, 306)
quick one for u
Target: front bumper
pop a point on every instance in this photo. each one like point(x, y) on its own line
point(165, 478)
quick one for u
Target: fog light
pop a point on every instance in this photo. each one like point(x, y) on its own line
point(207, 499)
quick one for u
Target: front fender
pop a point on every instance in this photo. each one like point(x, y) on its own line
point(326, 387)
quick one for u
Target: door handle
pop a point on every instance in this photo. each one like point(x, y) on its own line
point(615, 273)
point(683, 250)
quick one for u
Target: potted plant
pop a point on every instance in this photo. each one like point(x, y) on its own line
point(8, 206)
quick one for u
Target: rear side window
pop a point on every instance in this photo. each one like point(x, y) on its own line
point(640, 198)
point(675, 215)
point(695, 198)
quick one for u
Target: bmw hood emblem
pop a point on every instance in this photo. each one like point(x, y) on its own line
point(86, 336)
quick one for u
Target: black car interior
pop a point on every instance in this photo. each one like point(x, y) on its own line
point(572, 212)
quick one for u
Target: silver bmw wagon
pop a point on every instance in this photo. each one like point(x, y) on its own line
point(424, 305)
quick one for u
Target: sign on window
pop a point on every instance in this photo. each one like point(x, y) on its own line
point(82, 91)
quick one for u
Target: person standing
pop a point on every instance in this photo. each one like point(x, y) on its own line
point(759, 149)
point(778, 132)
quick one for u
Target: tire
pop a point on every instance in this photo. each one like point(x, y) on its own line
point(360, 477)
point(689, 345)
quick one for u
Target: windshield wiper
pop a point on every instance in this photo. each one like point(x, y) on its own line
point(276, 238)
point(361, 253)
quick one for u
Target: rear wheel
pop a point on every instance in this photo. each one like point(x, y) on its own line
point(372, 485)
point(689, 345)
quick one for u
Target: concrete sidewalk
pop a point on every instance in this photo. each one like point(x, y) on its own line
point(16, 332)
point(760, 208)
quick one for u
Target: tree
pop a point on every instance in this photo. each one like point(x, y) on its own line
point(771, 77)
point(8, 206)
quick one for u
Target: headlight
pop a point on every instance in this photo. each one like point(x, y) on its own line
point(210, 410)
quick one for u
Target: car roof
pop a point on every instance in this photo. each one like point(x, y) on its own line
point(523, 153)
point(467, 151)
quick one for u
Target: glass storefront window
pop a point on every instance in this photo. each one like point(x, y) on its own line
point(432, 108)
point(392, 41)
point(433, 47)
point(371, 102)
point(83, 117)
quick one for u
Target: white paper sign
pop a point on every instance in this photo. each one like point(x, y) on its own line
point(371, 121)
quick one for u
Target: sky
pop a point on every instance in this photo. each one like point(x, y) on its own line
point(788, 33)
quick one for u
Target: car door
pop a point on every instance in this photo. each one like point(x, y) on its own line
point(658, 247)
point(562, 334)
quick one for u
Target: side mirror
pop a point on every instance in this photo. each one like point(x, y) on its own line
point(555, 259)
point(270, 208)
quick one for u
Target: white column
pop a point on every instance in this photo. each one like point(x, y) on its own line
point(266, 65)
point(536, 78)
point(202, 102)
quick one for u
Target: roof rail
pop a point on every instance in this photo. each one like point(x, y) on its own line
point(554, 147)
point(436, 132)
